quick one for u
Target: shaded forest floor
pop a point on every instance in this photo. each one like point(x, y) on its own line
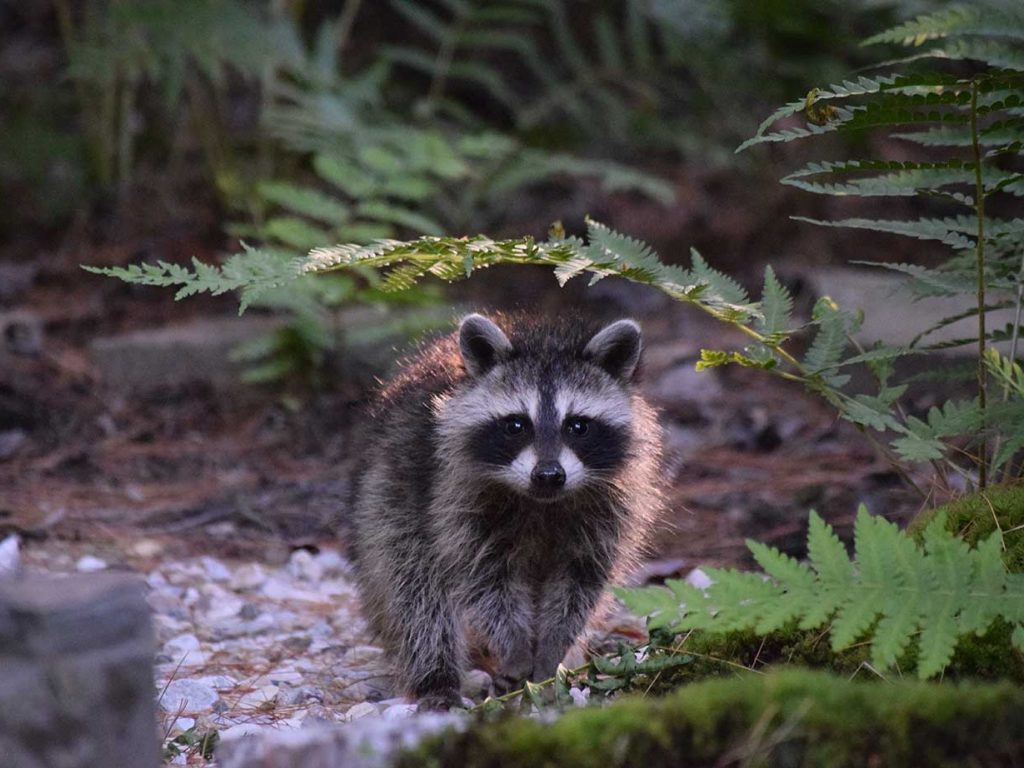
point(90, 460)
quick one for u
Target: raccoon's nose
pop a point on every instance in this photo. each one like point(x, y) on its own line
point(548, 475)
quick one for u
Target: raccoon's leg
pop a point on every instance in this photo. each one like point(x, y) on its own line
point(431, 644)
point(501, 610)
point(567, 601)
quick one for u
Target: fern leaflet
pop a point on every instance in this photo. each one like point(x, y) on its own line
point(895, 593)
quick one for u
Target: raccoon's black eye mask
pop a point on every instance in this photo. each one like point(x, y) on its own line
point(499, 441)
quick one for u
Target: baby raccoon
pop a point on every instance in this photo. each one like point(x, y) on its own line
point(507, 479)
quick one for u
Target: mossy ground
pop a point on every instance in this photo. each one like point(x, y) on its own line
point(999, 509)
point(787, 717)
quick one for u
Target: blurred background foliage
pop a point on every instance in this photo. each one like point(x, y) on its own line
point(306, 124)
point(395, 115)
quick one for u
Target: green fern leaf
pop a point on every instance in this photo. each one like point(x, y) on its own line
point(922, 229)
point(776, 305)
point(720, 284)
point(956, 20)
point(830, 340)
point(906, 179)
point(305, 202)
point(898, 593)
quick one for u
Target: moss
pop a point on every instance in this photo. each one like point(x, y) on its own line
point(789, 717)
point(974, 517)
point(743, 652)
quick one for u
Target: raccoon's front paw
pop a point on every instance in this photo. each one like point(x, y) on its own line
point(504, 683)
point(439, 702)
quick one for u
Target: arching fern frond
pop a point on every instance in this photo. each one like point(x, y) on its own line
point(959, 20)
point(894, 593)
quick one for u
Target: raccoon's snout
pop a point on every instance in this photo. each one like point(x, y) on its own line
point(547, 476)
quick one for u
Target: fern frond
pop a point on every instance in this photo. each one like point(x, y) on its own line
point(253, 272)
point(958, 20)
point(776, 305)
point(719, 283)
point(921, 229)
point(895, 594)
point(905, 179)
point(830, 340)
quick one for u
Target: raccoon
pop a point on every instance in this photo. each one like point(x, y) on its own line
point(507, 478)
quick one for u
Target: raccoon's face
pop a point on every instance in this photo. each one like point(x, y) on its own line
point(545, 422)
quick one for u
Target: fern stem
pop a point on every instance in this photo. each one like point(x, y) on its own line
point(979, 252)
point(443, 62)
point(1015, 336)
point(345, 24)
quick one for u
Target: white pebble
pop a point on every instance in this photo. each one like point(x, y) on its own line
point(698, 579)
point(184, 649)
point(240, 730)
point(360, 710)
point(303, 566)
point(332, 563)
point(399, 711)
point(248, 576)
point(10, 556)
point(182, 724)
point(215, 569)
point(187, 696)
point(90, 564)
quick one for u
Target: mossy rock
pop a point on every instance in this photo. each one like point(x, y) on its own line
point(789, 717)
point(975, 518)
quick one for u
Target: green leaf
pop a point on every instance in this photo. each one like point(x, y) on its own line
point(776, 305)
point(897, 594)
point(830, 341)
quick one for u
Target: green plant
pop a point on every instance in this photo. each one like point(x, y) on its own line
point(606, 81)
point(894, 592)
point(969, 122)
point(186, 53)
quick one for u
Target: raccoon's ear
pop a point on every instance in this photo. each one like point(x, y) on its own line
point(616, 349)
point(482, 344)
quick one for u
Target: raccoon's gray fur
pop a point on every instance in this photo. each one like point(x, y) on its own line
point(505, 481)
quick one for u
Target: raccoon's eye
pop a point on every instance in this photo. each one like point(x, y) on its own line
point(515, 425)
point(577, 426)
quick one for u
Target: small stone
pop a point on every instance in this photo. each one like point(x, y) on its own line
point(361, 710)
point(223, 607)
point(303, 566)
point(215, 569)
point(10, 441)
point(169, 626)
point(10, 556)
point(90, 564)
point(21, 332)
point(146, 548)
point(249, 576)
point(249, 611)
point(698, 579)
point(184, 649)
point(219, 682)
point(332, 563)
point(261, 698)
point(399, 711)
point(276, 588)
point(187, 696)
point(476, 684)
point(182, 724)
point(240, 730)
